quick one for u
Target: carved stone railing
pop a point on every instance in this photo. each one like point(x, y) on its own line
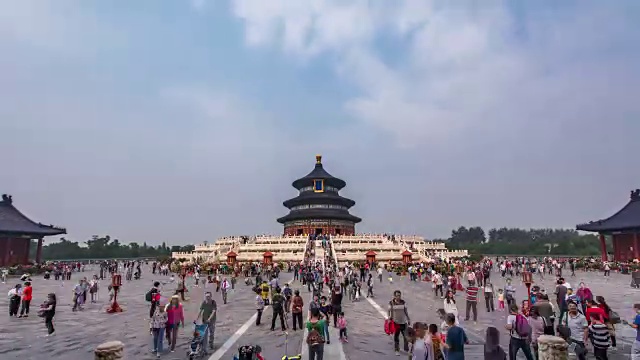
point(552, 348)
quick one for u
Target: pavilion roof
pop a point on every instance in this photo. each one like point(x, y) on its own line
point(628, 218)
point(319, 173)
point(370, 253)
point(231, 254)
point(14, 222)
point(267, 253)
point(407, 252)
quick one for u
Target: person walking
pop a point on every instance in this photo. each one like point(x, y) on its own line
point(399, 314)
point(14, 300)
point(315, 341)
point(48, 312)
point(175, 316)
point(225, 287)
point(208, 313)
point(519, 330)
point(456, 339)
point(157, 325)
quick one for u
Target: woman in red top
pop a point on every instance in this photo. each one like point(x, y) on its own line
point(26, 299)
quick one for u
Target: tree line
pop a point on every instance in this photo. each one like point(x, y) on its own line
point(102, 247)
point(525, 242)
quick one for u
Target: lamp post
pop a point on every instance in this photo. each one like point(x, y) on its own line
point(527, 279)
point(116, 283)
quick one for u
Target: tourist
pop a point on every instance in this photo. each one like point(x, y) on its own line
point(577, 325)
point(437, 282)
point(561, 298)
point(157, 325)
point(584, 294)
point(151, 296)
point(175, 316)
point(538, 326)
point(380, 273)
point(27, 294)
point(509, 294)
point(182, 287)
point(277, 305)
point(450, 305)
point(599, 335)
point(488, 296)
point(325, 311)
point(315, 340)
point(93, 288)
point(492, 348)
point(472, 301)
point(422, 346)
point(225, 287)
point(297, 304)
point(607, 319)
point(437, 342)
point(399, 314)
point(336, 303)
point(545, 309)
point(592, 308)
point(370, 285)
point(14, 300)
point(519, 331)
point(259, 303)
point(208, 313)
point(635, 348)
point(78, 290)
point(456, 339)
point(500, 300)
point(48, 312)
point(342, 325)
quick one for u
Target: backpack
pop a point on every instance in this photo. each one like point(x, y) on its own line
point(522, 327)
point(149, 295)
point(314, 337)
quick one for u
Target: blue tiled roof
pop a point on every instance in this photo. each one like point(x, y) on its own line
point(14, 222)
point(628, 218)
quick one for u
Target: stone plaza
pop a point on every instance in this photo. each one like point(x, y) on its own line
point(79, 333)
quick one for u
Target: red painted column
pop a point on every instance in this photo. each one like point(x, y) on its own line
point(603, 248)
point(7, 251)
point(39, 251)
point(26, 252)
point(636, 246)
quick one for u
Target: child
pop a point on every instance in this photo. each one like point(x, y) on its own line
point(195, 341)
point(500, 300)
point(342, 325)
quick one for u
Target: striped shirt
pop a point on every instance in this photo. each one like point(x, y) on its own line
point(599, 335)
point(472, 293)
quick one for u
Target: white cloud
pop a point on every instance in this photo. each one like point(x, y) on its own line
point(464, 65)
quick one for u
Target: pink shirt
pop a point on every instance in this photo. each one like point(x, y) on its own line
point(175, 315)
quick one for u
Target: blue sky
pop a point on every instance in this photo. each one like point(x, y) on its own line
point(181, 121)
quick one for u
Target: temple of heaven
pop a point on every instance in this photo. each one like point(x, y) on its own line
point(319, 208)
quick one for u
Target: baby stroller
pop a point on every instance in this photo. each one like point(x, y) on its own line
point(197, 343)
point(249, 352)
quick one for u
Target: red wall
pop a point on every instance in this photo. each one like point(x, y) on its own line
point(622, 244)
point(14, 251)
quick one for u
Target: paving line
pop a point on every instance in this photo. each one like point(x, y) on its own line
point(333, 351)
point(218, 354)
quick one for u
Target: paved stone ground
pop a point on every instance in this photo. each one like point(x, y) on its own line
point(77, 334)
point(423, 305)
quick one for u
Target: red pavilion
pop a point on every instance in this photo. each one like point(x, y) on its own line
point(623, 227)
point(16, 233)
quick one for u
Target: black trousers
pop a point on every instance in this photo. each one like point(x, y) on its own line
point(259, 317)
point(400, 329)
point(488, 300)
point(277, 314)
point(14, 305)
point(336, 311)
point(297, 319)
point(48, 321)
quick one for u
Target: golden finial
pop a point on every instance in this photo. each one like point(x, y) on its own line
point(318, 159)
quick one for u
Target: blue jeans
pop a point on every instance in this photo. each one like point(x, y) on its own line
point(326, 331)
point(158, 339)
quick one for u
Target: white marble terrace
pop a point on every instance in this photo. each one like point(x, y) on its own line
point(347, 248)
